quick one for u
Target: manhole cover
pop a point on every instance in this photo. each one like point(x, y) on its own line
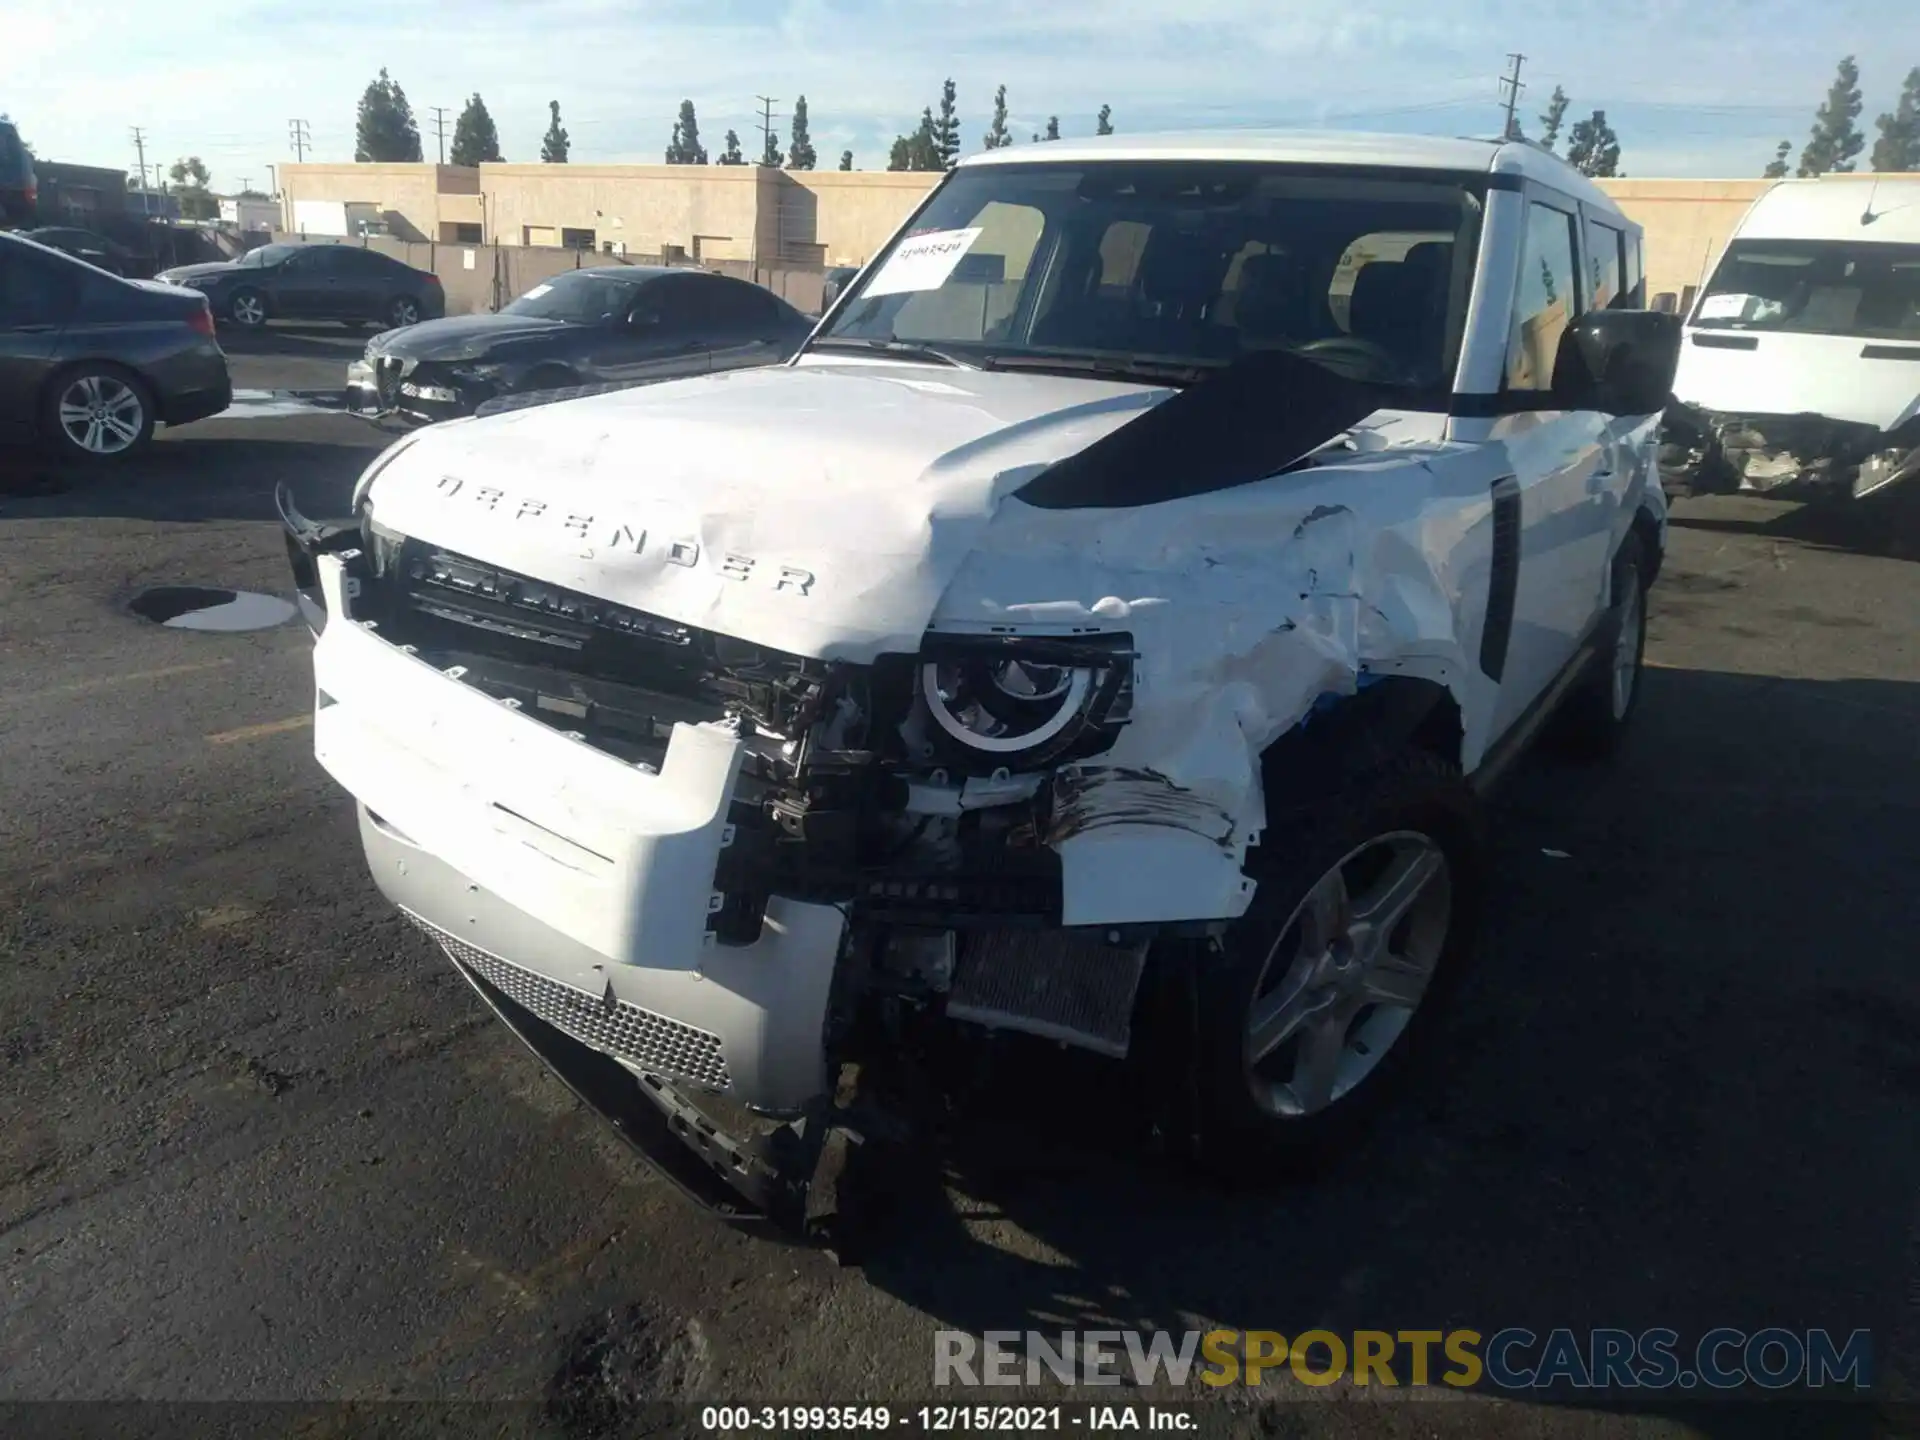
point(202, 607)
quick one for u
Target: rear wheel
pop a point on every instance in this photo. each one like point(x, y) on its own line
point(247, 309)
point(1595, 718)
point(98, 412)
point(1319, 996)
point(403, 310)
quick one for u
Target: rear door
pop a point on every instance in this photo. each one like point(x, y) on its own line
point(745, 325)
point(38, 297)
point(367, 279)
point(306, 285)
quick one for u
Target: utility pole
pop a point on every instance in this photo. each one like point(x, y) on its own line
point(440, 129)
point(246, 183)
point(1510, 83)
point(140, 145)
point(766, 121)
point(301, 137)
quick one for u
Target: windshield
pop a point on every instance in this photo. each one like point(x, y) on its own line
point(1815, 287)
point(579, 297)
point(1177, 266)
point(267, 255)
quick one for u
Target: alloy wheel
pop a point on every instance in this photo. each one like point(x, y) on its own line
point(1347, 973)
point(249, 309)
point(102, 415)
point(404, 312)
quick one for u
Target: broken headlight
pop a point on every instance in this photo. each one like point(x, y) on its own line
point(996, 702)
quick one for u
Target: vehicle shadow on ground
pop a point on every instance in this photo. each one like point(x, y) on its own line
point(192, 479)
point(1886, 524)
point(1676, 1091)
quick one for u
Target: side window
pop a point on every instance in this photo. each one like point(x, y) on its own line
point(1606, 267)
point(364, 262)
point(1548, 298)
point(737, 307)
point(36, 292)
point(1636, 276)
point(679, 301)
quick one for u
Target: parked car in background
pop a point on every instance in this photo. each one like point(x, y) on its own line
point(18, 193)
point(615, 324)
point(314, 282)
point(1801, 369)
point(90, 363)
point(86, 245)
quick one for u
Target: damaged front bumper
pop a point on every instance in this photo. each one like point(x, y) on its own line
point(1793, 456)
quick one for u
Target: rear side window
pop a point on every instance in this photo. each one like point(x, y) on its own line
point(1547, 301)
point(736, 305)
point(1606, 267)
point(36, 291)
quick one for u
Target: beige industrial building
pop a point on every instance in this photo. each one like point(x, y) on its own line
point(762, 221)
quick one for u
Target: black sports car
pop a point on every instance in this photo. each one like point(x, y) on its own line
point(313, 282)
point(608, 325)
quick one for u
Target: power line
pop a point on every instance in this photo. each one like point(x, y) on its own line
point(1511, 84)
point(440, 129)
point(302, 136)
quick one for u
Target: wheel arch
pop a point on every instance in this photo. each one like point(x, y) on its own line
point(1350, 735)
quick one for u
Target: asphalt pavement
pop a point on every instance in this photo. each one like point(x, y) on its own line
point(259, 1142)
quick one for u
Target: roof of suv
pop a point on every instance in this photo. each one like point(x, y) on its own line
point(1317, 147)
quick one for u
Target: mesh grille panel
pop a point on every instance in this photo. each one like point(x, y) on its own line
point(652, 1042)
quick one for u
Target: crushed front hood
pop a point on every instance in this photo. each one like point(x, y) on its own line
point(1840, 377)
point(821, 509)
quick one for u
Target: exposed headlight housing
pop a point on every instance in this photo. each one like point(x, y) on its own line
point(986, 703)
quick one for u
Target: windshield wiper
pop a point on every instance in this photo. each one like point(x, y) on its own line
point(1107, 367)
point(905, 349)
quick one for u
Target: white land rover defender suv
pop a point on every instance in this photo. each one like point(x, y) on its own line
point(1102, 629)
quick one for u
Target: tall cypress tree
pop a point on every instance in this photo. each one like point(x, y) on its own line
point(685, 148)
point(383, 131)
point(800, 154)
point(1103, 122)
point(554, 146)
point(475, 141)
point(997, 137)
point(1898, 147)
point(946, 130)
point(1836, 141)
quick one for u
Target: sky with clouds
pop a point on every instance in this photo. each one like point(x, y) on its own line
point(1693, 87)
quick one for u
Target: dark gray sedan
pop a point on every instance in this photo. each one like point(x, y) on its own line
point(606, 325)
point(90, 363)
point(314, 282)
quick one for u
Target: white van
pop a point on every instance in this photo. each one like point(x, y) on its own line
point(1801, 366)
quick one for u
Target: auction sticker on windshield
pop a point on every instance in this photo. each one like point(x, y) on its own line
point(1722, 307)
point(923, 262)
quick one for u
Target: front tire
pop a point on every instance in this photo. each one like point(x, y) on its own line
point(98, 413)
point(1316, 1000)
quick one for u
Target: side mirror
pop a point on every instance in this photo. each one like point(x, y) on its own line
point(1619, 362)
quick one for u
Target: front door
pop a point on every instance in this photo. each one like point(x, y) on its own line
point(1563, 478)
point(659, 337)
